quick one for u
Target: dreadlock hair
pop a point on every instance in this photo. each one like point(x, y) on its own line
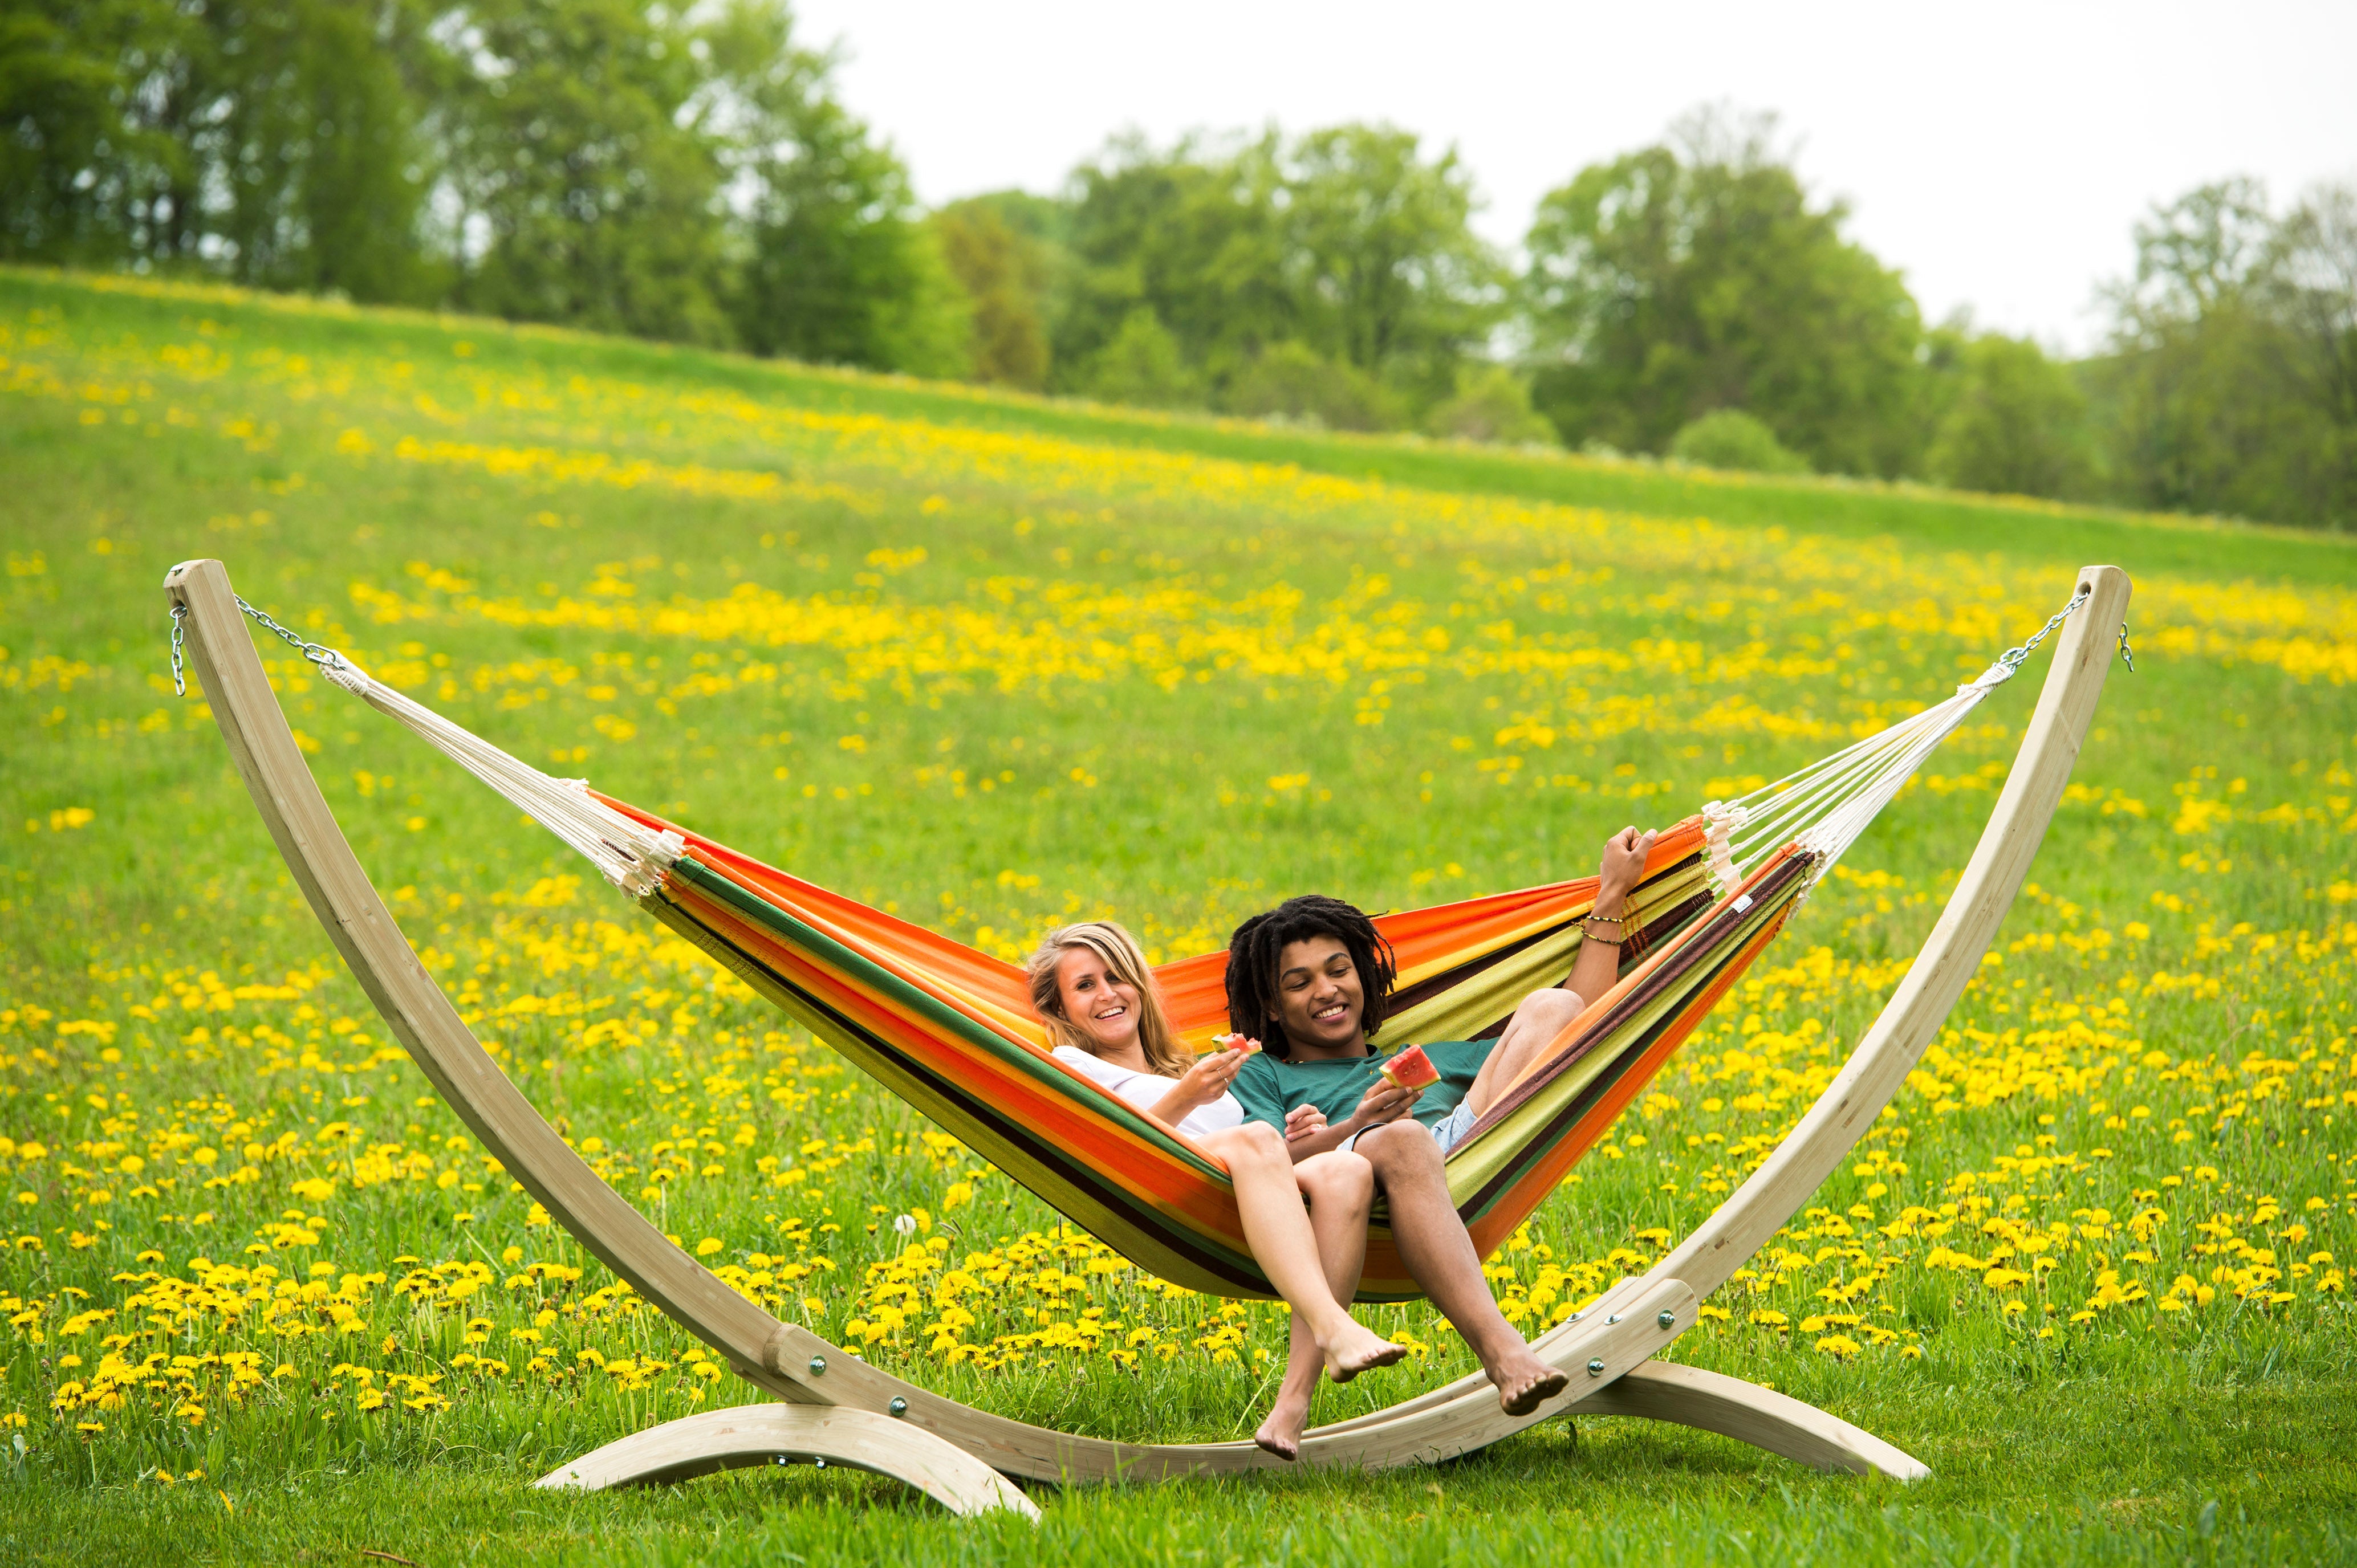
point(1254, 948)
point(1164, 1051)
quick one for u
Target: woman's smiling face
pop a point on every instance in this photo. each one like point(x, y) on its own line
point(1100, 1006)
point(1320, 997)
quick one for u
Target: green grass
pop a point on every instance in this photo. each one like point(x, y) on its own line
point(2212, 1477)
point(1555, 647)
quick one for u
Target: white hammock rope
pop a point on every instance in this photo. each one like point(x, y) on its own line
point(1822, 809)
point(631, 856)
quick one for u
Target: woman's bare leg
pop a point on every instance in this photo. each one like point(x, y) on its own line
point(1533, 1029)
point(1284, 1244)
point(1341, 1185)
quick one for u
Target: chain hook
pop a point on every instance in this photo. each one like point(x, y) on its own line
point(179, 675)
point(2128, 654)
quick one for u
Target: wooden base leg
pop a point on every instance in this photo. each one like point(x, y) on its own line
point(1659, 1391)
point(766, 1434)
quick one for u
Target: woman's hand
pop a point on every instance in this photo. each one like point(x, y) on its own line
point(1211, 1075)
point(1624, 864)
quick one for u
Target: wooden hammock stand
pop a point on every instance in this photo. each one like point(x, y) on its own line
point(838, 1409)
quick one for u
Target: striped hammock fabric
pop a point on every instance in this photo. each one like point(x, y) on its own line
point(951, 1030)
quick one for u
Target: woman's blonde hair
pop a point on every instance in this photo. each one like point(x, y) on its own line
point(1123, 960)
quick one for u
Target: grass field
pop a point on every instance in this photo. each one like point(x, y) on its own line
point(996, 662)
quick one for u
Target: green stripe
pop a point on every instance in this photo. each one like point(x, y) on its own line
point(1511, 1142)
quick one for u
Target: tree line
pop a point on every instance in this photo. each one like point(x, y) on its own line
point(689, 173)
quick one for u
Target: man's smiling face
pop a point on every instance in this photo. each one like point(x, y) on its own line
point(1320, 999)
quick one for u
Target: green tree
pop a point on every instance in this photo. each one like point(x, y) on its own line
point(2200, 251)
point(318, 154)
point(2312, 287)
point(2014, 422)
point(1005, 272)
point(277, 144)
point(2221, 392)
point(1389, 276)
point(1697, 274)
point(580, 167)
point(1194, 236)
point(78, 159)
point(1347, 242)
point(836, 265)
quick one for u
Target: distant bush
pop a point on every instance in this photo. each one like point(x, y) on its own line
point(1730, 439)
point(1492, 403)
point(1292, 381)
point(1143, 367)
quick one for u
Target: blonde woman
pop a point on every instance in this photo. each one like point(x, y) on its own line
point(1095, 993)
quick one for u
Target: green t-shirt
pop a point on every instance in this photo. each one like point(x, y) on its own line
point(1268, 1087)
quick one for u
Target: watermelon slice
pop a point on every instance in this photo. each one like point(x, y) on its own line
point(1411, 1069)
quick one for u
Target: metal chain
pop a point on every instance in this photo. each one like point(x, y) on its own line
point(319, 653)
point(2012, 659)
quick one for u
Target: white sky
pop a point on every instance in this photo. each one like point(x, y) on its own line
point(1996, 154)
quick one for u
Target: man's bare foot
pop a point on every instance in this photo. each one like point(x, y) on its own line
point(1524, 1382)
point(1280, 1431)
point(1358, 1349)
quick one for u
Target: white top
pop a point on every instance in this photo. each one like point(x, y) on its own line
point(1146, 1090)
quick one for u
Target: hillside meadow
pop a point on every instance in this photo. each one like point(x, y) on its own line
point(993, 663)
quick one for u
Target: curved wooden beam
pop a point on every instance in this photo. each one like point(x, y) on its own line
point(1911, 1020)
point(1712, 1401)
point(784, 1433)
point(238, 690)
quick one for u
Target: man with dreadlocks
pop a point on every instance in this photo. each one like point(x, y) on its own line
point(1313, 978)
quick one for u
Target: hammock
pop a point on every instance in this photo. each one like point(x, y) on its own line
point(951, 1030)
point(837, 1409)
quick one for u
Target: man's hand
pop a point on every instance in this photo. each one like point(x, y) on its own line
point(1303, 1121)
point(1385, 1102)
point(1624, 863)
